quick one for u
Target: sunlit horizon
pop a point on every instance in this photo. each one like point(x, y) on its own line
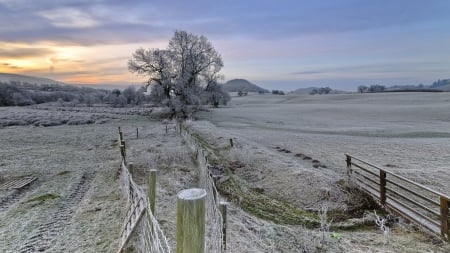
point(277, 46)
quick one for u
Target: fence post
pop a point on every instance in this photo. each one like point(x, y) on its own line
point(383, 187)
point(131, 168)
point(122, 151)
point(349, 166)
point(120, 135)
point(223, 211)
point(124, 147)
point(152, 190)
point(231, 142)
point(445, 233)
point(191, 221)
point(137, 133)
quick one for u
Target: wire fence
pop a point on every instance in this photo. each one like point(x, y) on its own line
point(214, 223)
point(139, 219)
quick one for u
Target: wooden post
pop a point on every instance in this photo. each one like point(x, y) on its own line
point(122, 152)
point(152, 190)
point(382, 187)
point(223, 212)
point(231, 142)
point(120, 135)
point(349, 161)
point(123, 144)
point(137, 133)
point(349, 166)
point(131, 168)
point(445, 233)
point(191, 221)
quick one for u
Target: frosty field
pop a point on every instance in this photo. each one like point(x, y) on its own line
point(76, 204)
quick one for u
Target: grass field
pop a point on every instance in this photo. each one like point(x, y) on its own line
point(78, 190)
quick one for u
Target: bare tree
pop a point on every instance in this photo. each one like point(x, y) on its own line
point(362, 88)
point(182, 71)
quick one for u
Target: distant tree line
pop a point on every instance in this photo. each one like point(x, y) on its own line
point(320, 91)
point(22, 94)
point(435, 87)
point(277, 92)
point(440, 83)
point(242, 93)
point(371, 88)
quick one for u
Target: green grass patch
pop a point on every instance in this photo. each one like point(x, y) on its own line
point(43, 198)
point(63, 173)
point(265, 207)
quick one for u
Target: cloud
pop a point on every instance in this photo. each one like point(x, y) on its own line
point(307, 72)
point(69, 18)
point(97, 22)
point(24, 52)
point(10, 66)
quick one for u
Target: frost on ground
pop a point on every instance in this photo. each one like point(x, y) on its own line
point(53, 115)
point(287, 149)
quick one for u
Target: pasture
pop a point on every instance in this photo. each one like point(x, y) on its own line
point(288, 153)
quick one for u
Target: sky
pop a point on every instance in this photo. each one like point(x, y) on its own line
point(276, 44)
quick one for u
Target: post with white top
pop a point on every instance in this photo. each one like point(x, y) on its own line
point(191, 221)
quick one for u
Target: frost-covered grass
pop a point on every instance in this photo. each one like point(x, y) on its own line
point(322, 128)
point(410, 132)
point(407, 133)
point(52, 114)
point(24, 116)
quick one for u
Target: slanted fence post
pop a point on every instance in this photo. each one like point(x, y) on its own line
point(349, 166)
point(382, 187)
point(445, 233)
point(223, 211)
point(191, 221)
point(152, 190)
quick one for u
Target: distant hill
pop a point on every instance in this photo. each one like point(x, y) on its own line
point(7, 78)
point(237, 85)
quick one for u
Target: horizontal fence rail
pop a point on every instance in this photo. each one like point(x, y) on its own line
point(415, 202)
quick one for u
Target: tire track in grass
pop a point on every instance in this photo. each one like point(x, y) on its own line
point(42, 237)
point(15, 196)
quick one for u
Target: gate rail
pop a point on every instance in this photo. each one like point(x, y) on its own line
point(415, 202)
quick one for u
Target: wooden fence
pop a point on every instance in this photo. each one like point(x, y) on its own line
point(191, 206)
point(140, 209)
point(417, 203)
point(135, 211)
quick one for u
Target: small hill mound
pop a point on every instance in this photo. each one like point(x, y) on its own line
point(7, 78)
point(302, 91)
point(237, 85)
